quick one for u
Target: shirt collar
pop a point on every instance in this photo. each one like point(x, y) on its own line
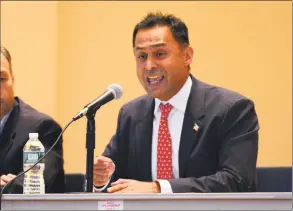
point(178, 101)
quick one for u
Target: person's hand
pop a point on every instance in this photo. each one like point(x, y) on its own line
point(4, 179)
point(103, 170)
point(133, 186)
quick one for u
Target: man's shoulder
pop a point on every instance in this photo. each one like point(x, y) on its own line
point(139, 106)
point(216, 100)
point(141, 101)
point(215, 94)
point(31, 115)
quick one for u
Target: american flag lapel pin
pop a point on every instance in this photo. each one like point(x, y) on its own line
point(195, 127)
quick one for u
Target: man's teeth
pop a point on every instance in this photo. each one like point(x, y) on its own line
point(154, 77)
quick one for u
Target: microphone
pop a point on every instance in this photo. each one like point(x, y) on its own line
point(114, 91)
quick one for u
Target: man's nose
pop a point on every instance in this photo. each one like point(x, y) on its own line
point(150, 64)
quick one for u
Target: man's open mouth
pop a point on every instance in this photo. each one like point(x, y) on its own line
point(155, 79)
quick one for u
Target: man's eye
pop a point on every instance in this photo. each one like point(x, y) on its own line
point(160, 54)
point(142, 56)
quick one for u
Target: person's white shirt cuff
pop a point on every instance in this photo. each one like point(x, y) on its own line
point(102, 188)
point(165, 186)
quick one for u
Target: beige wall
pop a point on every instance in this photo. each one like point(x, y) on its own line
point(244, 46)
point(29, 31)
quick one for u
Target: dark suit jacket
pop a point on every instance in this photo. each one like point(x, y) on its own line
point(24, 120)
point(219, 157)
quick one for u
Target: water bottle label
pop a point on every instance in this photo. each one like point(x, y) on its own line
point(32, 157)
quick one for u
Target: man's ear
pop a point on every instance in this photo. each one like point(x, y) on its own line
point(12, 77)
point(188, 55)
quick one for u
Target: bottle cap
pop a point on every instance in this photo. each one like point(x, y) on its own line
point(33, 135)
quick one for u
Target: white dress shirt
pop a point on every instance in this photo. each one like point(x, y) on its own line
point(175, 123)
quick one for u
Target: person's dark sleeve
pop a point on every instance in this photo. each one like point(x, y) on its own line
point(54, 176)
point(117, 150)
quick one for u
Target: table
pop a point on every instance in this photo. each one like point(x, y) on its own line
point(175, 201)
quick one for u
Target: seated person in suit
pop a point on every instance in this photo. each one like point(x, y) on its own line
point(184, 135)
point(17, 120)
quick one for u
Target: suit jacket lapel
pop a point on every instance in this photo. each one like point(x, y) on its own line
point(143, 141)
point(193, 117)
point(8, 134)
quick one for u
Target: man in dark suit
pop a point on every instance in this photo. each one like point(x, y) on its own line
point(17, 120)
point(184, 135)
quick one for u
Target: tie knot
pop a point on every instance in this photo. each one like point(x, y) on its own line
point(165, 109)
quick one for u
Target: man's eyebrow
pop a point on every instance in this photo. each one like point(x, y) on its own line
point(157, 45)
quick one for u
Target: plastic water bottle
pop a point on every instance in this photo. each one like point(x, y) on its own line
point(34, 179)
